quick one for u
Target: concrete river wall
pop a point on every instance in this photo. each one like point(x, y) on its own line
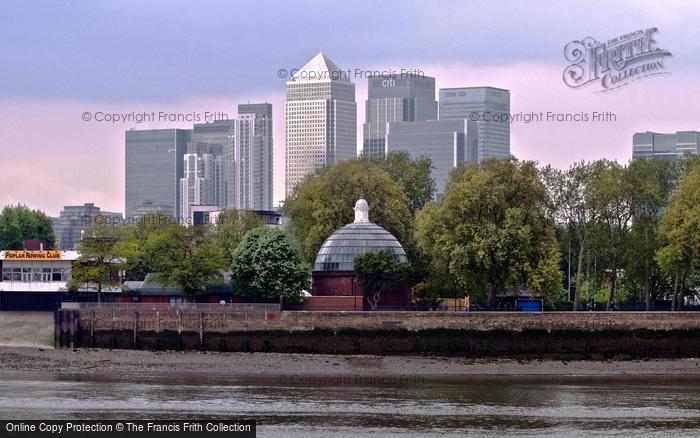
point(566, 334)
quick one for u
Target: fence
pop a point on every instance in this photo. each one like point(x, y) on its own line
point(200, 307)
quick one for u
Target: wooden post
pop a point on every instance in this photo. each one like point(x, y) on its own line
point(92, 330)
point(201, 329)
point(136, 327)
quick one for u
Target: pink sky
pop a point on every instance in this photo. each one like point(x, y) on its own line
point(52, 158)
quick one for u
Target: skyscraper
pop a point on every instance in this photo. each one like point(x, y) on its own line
point(75, 219)
point(448, 143)
point(254, 170)
point(667, 146)
point(153, 168)
point(203, 178)
point(223, 133)
point(486, 106)
point(320, 120)
point(405, 98)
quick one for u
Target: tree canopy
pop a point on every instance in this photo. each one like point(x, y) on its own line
point(267, 265)
point(19, 222)
point(490, 230)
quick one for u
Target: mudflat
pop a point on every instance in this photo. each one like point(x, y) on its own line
point(288, 367)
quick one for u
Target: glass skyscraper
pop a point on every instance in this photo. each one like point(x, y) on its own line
point(482, 105)
point(405, 98)
point(667, 146)
point(320, 120)
point(255, 148)
point(153, 168)
point(75, 219)
point(448, 143)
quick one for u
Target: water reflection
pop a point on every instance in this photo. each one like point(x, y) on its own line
point(506, 406)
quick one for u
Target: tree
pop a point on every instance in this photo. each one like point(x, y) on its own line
point(102, 255)
point(379, 273)
point(18, 223)
point(680, 228)
point(651, 181)
point(490, 229)
point(268, 265)
point(322, 203)
point(412, 174)
point(230, 228)
point(571, 198)
point(183, 257)
point(612, 195)
point(140, 261)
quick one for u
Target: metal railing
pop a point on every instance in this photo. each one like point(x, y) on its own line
point(143, 307)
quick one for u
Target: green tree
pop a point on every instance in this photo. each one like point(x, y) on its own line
point(183, 257)
point(572, 202)
point(613, 191)
point(378, 274)
point(412, 174)
point(267, 265)
point(323, 203)
point(18, 223)
point(230, 228)
point(138, 234)
point(491, 229)
point(680, 229)
point(651, 181)
point(102, 255)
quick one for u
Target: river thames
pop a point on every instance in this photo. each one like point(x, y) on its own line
point(358, 406)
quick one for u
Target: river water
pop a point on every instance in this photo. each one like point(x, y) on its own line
point(393, 408)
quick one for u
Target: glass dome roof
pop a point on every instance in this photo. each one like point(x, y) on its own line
point(339, 251)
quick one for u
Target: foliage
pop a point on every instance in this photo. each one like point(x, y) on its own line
point(490, 229)
point(102, 255)
point(323, 203)
point(412, 174)
point(651, 182)
point(267, 264)
point(140, 261)
point(18, 223)
point(680, 229)
point(183, 257)
point(570, 201)
point(229, 230)
point(379, 273)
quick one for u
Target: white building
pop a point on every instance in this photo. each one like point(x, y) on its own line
point(320, 120)
point(203, 180)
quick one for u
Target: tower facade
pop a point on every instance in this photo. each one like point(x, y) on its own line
point(320, 120)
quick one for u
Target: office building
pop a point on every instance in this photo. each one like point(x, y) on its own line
point(254, 164)
point(320, 120)
point(489, 107)
point(224, 133)
point(76, 219)
point(154, 166)
point(405, 98)
point(448, 143)
point(667, 146)
point(203, 180)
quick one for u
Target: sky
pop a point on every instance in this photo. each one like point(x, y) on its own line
point(62, 59)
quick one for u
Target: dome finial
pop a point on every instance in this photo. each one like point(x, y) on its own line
point(361, 212)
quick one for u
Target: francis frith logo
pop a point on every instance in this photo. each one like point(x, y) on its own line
point(614, 63)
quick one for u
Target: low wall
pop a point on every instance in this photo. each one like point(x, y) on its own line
point(580, 334)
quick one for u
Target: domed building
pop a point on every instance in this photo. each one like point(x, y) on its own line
point(333, 273)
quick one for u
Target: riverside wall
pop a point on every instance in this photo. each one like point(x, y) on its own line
point(479, 334)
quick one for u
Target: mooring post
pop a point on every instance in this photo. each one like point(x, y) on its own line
point(201, 329)
point(92, 329)
point(136, 327)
